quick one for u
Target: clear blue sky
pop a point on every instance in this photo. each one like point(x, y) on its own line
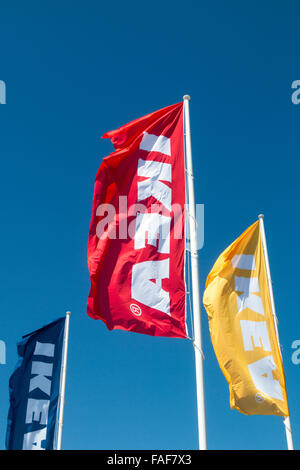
point(76, 69)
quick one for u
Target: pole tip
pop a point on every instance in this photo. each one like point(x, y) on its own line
point(261, 216)
point(186, 97)
point(68, 313)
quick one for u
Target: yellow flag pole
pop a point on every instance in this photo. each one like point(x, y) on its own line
point(286, 420)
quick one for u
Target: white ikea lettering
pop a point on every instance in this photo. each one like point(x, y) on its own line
point(33, 440)
point(154, 143)
point(244, 262)
point(37, 410)
point(152, 186)
point(256, 331)
point(157, 227)
point(261, 373)
point(42, 369)
point(150, 293)
point(246, 284)
point(153, 228)
point(155, 170)
point(247, 299)
point(44, 349)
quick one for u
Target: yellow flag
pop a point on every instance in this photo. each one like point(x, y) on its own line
point(243, 334)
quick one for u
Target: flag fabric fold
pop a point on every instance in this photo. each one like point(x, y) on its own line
point(242, 329)
point(136, 245)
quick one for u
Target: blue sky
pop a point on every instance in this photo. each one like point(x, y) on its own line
point(74, 70)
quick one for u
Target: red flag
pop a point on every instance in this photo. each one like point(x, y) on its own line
point(136, 245)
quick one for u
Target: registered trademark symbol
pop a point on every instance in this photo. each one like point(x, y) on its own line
point(259, 398)
point(136, 310)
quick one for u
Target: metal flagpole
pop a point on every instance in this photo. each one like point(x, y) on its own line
point(195, 280)
point(63, 381)
point(286, 420)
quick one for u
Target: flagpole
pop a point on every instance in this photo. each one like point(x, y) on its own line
point(63, 381)
point(195, 280)
point(286, 420)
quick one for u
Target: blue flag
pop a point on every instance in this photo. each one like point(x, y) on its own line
point(34, 389)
